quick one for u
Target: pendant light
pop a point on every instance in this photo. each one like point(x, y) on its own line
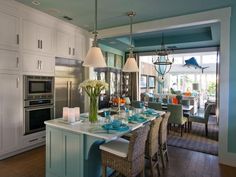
point(131, 64)
point(162, 63)
point(94, 56)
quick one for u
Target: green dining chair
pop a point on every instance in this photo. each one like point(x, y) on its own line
point(185, 102)
point(155, 105)
point(203, 119)
point(176, 116)
point(137, 104)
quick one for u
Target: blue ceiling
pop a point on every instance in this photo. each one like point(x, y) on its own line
point(189, 37)
point(113, 14)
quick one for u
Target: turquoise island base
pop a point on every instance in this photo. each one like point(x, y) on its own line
point(73, 150)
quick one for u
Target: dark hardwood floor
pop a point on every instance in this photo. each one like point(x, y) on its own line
point(183, 163)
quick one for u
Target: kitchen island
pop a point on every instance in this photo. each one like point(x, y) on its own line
point(73, 150)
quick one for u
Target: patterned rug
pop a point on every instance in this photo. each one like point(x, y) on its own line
point(196, 139)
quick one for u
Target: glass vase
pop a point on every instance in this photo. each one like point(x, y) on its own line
point(93, 109)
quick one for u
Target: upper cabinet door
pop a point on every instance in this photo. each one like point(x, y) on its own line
point(9, 31)
point(71, 42)
point(80, 46)
point(46, 39)
point(62, 44)
point(30, 36)
point(37, 38)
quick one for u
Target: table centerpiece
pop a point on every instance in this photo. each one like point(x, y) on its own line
point(93, 88)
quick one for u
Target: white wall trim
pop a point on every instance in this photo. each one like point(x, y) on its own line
point(219, 15)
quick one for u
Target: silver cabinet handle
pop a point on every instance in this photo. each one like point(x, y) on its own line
point(17, 39)
point(38, 44)
point(73, 51)
point(69, 50)
point(17, 82)
point(17, 62)
point(41, 42)
point(40, 64)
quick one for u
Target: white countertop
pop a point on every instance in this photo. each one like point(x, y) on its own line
point(96, 130)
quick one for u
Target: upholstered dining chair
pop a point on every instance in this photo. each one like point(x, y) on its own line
point(163, 139)
point(152, 146)
point(137, 104)
point(126, 157)
point(176, 116)
point(155, 105)
point(204, 119)
point(185, 102)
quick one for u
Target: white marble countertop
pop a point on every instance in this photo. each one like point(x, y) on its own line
point(96, 130)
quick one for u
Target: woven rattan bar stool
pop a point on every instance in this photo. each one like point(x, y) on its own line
point(163, 138)
point(152, 146)
point(126, 157)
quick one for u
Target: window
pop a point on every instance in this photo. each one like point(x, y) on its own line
point(143, 81)
point(178, 60)
point(151, 82)
point(207, 59)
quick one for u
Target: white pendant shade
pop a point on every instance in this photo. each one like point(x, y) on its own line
point(94, 58)
point(130, 65)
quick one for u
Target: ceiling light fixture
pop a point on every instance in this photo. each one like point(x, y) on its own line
point(162, 62)
point(94, 56)
point(131, 64)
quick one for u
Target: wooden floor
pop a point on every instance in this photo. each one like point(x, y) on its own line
point(183, 163)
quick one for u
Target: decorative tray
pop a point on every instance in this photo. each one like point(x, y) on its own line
point(69, 123)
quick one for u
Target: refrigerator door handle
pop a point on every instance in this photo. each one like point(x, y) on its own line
point(68, 94)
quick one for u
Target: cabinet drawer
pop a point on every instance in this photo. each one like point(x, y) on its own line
point(35, 64)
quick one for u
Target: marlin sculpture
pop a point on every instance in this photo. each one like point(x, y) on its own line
point(192, 62)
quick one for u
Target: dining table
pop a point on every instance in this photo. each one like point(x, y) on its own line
point(72, 149)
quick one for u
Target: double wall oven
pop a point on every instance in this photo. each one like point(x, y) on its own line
point(38, 102)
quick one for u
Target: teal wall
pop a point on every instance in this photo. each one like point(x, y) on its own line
point(232, 83)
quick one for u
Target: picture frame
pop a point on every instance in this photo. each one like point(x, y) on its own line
point(151, 81)
point(143, 82)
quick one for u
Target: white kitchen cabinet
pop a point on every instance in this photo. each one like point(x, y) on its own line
point(9, 61)
point(36, 64)
point(80, 46)
point(11, 112)
point(65, 45)
point(37, 37)
point(9, 31)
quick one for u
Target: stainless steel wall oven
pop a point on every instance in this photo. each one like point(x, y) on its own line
point(38, 102)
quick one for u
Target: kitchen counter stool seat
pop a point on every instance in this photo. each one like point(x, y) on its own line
point(126, 157)
point(117, 147)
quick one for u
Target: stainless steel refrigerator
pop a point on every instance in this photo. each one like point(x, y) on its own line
point(68, 75)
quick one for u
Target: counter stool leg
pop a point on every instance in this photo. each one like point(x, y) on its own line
point(162, 155)
point(104, 171)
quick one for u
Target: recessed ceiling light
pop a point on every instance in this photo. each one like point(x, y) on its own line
point(36, 3)
point(67, 18)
